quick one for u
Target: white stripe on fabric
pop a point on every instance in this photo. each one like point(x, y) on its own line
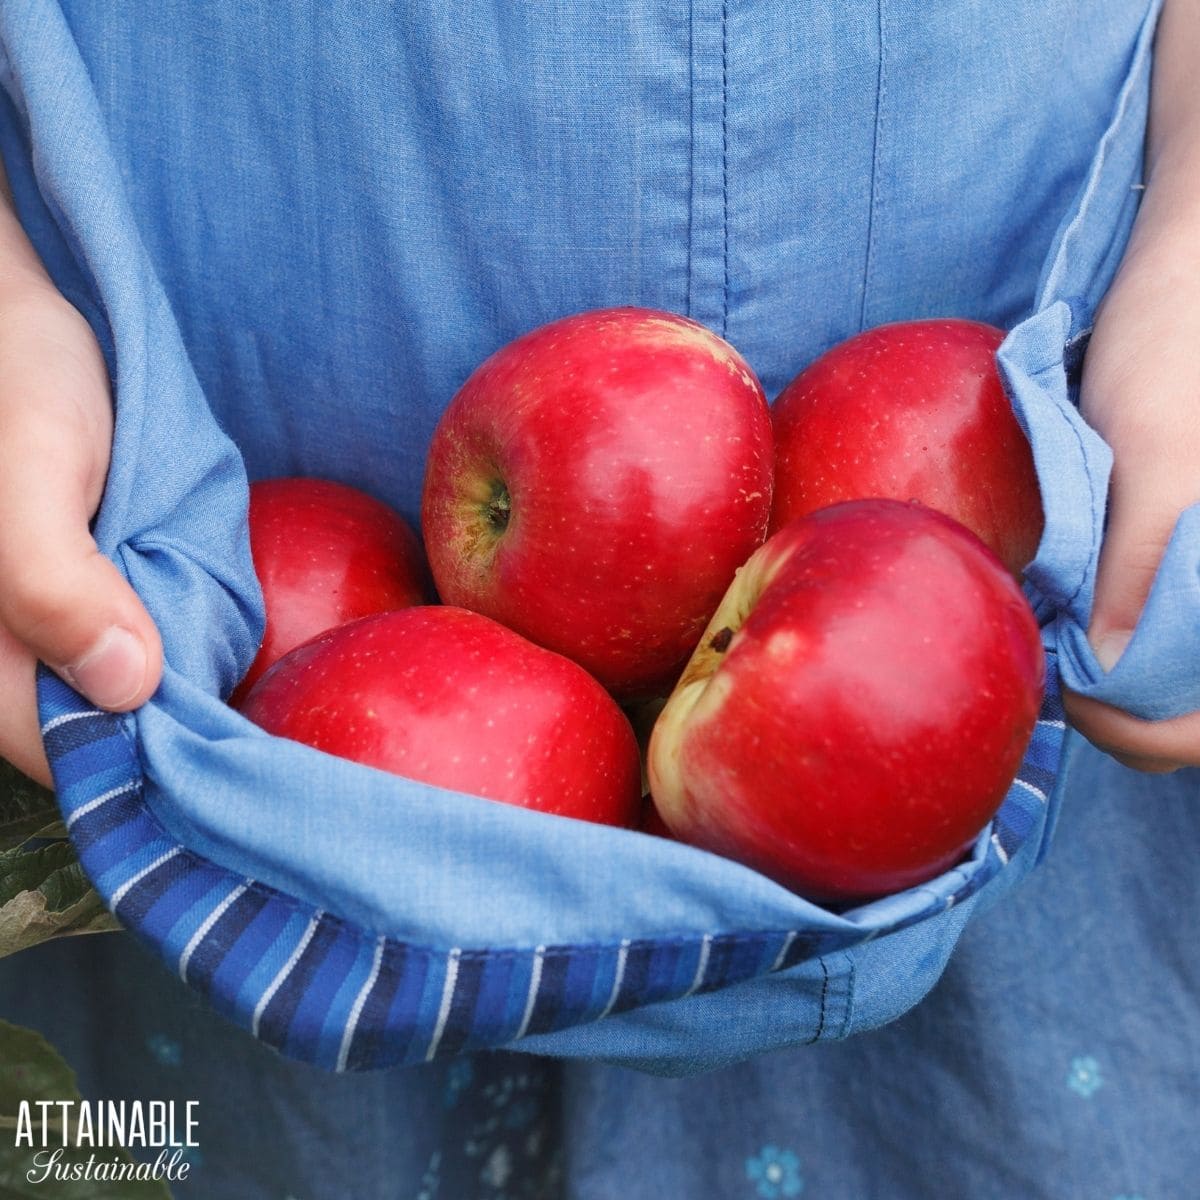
point(1052, 724)
point(702, 965)
point(66, 718)
point(285, 971)
point(535, 982)
point(213, 917)
point(92, 805)
point(622, 955)
point(787, 945)
point(447, 997)
point(123, 890)
point(359, 1003)
point(1030, 788)
point(1001, 853)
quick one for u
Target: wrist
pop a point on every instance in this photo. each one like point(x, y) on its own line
point(1168, 221)
point(1144, 356)
point(29, 294)
point(35, 315)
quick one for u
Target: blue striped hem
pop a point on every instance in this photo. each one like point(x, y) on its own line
point(327, 992)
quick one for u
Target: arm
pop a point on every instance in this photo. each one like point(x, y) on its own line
point(60, 599)
point(1141, 390)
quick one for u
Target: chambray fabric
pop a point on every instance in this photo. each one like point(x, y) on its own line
point(1056, 1059)
point(297, 229)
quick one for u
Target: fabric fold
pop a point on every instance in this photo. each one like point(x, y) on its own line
point(357, 920)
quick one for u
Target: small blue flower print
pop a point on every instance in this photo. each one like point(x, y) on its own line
point(164, 1050)
point(775, 1173)
point(521, 1113)
point(458, 1079)
point(431, 1180)
point(500, 1091)
point(1084, 1078)
point(498, 1168)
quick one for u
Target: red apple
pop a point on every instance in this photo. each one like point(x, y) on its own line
point(325, 554)
point(858, 706)
point(911, 411)
point(453, 699)
point(596, 483)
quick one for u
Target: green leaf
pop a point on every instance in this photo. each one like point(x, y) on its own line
point(66, 889)
point(43, 891)
point(55, 830)
point(31, 1070)
point(45, 894)
point(26, 808)
point(23, 870)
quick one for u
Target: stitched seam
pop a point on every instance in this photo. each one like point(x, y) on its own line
point(294, 904)
point(1083, 574)
point(869, 265)
point(850, 984)
point(125, 724)
point(1092, 184)
point(691, 213)
point(816, 1037)
point(725, 162)
point(1059, 369)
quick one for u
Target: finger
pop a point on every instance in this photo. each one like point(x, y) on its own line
point(20, 738)
point(1152, 746)
point(1144, 505)
point(1138, 392)
point(58, 594)
point(1147, 766)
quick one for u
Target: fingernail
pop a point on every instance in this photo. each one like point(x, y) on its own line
point(112, 672)
point(1109, 648)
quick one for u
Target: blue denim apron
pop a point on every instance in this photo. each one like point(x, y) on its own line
point(296, 230)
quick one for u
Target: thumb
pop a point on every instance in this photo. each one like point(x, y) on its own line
point(70, 606)
point(1144, 506)
point(58, 594)
point(1142, 515)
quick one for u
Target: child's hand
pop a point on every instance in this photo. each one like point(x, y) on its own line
point(60, 599)
point(1141, 390)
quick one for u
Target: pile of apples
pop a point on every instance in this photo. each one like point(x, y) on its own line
point(847, 699)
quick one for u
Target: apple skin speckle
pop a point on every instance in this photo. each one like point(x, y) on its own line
point(636, 448)
point(866, 717)
point(914, 410)
point(453, 699)
point(325, 553)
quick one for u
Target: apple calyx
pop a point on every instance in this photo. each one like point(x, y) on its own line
point(499, 508)
point(637, 453)
point(486, 509)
